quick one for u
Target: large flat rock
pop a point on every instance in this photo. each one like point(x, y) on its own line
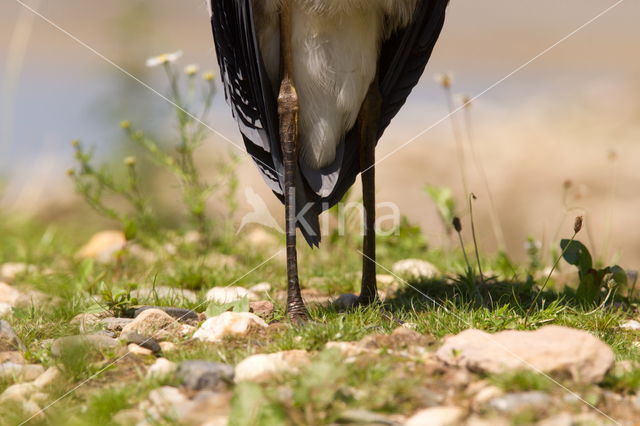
point(562, 351)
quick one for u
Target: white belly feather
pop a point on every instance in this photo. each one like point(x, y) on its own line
point(335, 52)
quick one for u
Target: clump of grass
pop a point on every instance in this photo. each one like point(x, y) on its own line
point(521, 381)
point(99, 185)
point(470, 277)
point(102, 406)
point(577, 226)
point(623, 380)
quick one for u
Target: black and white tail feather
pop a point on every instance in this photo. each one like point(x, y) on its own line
point(403, 57)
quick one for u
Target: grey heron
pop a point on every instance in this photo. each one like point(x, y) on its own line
point(313, 84)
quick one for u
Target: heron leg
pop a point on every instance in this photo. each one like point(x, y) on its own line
point(288, 108)
point(368, 132)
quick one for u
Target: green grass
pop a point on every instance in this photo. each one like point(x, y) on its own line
point(324, 390)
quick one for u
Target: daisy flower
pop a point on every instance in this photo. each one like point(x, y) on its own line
point(163, 59)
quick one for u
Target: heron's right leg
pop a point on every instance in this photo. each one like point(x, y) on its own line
point(288, 108)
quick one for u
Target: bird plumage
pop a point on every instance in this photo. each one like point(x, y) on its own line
point(340, 46)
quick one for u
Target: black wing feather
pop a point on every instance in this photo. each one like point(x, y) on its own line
point(246, 86)
point(403, 58)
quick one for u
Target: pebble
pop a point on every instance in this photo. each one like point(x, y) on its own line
point(47, 378)
point(9, 295)
point(562, 419)
point(15, 357)
point(179, 314)
point(138, 350)
point(550, 349)
point(161, 369)
point(165, 404)
point(10, 270)
point(228, 324)
point(115, 324)
point(415, 270)
point(164, 292)
point(515, 402)
point(95, 341)
point(9, 340)
point(104, 246)
point(89, 321)
point(154, 323)
point(437, 416)
point(364, 417)
point(18, 392)
point(21, 372)
point(260, 288)
point(264, 309)
point(224, 295)
point(149, 343)
point(209, 409)
point(129, 416)
point(168, 347)
point(345, 301)
point(486, 394)
point(199, 375)
point(630, 325)
point(261, 367)
point(5, 309)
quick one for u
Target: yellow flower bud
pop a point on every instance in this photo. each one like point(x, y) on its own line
point(191, 70)
point(208, 76)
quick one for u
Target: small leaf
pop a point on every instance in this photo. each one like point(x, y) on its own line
point(214, 309)
point(444, 201)
point(618, 275)
point(130, 230)
point(577, 254)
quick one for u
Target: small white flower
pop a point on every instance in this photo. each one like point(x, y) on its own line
point(191, 70)
point(163, 59)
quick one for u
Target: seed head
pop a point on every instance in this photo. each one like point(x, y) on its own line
point(577, 225)
point(125, 124)
point(457, 225)
point(567, 184)
point(208, 76)
point(445, 80)
point(75, 143)
point(130, 161)
point(71, 172)
point(466, 101)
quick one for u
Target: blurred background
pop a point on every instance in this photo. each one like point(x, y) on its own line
point(559, 137)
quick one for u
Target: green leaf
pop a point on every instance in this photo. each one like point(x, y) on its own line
point(130, 230)
point(577, 254)
point(618, 275)
point(444, 201)
point(214, 309)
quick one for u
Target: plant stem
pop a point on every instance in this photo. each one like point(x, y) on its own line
point(546, 281)
point(475, 241)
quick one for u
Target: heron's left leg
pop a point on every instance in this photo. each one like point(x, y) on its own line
point(368, 121)
point(288, 108)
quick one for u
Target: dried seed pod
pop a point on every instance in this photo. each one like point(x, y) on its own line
point(577, 225)
point(457, 225)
